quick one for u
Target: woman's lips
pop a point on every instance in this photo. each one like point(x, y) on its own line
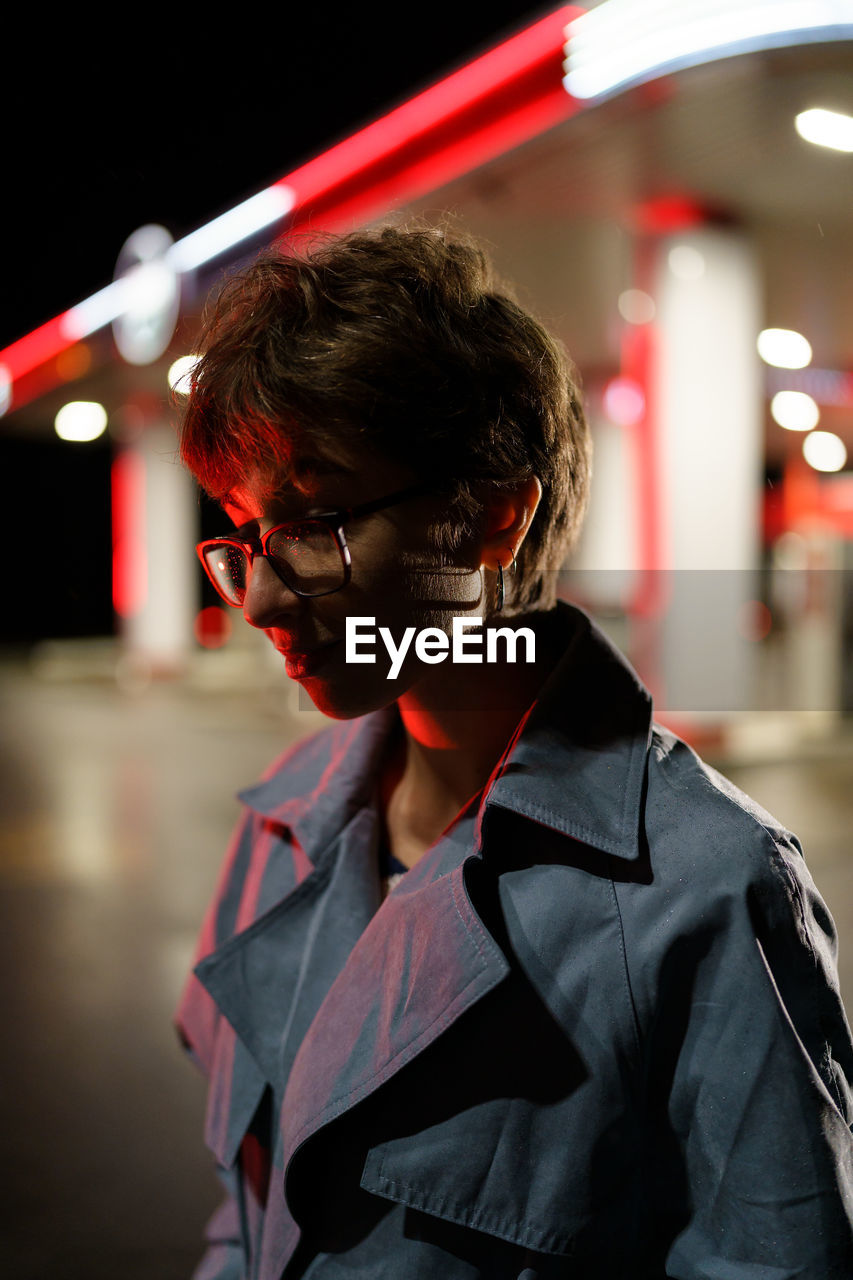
point(301, 664)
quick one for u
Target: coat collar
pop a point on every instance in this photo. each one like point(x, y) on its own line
point(316, 788)
point(576, 762)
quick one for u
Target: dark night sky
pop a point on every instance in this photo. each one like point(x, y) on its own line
point(166, 120)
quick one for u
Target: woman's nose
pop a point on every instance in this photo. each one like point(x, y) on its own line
point(267, 598)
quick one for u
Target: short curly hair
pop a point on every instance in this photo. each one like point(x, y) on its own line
point(400, 338)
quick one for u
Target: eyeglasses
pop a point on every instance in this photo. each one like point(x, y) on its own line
point(310, 556)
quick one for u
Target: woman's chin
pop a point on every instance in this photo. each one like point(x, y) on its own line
point(347, 702)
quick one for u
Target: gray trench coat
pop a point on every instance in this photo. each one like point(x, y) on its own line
point(594, 1032)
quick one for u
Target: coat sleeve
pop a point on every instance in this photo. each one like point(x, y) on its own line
point(749, 1059)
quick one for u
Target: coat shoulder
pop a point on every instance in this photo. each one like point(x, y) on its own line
point(729, 887)
point(723, 871)
point(693, 807)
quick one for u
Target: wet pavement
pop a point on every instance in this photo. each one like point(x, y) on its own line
point(116, 806)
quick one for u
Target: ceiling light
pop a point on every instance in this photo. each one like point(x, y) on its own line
point(624, 401)
point(81, 420)
point(826, 128)
point(180, 374)
point(636, 306)
point(794, 410)
point(824, 451)
point(784, 348)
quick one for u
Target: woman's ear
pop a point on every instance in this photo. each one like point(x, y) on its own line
point(508, 517)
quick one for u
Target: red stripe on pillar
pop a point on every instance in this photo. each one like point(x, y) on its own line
point(130, 561)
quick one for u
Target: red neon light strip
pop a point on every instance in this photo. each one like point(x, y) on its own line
point(502, 98)
point(481, 81)
point(35, 348)
point(358, 203)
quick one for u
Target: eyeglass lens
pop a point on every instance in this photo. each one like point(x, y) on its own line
point(307, 555)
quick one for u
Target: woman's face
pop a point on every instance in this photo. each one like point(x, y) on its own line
point(397, 578)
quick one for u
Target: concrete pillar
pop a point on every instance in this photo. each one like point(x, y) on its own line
point(708, 405)
point(155, 528)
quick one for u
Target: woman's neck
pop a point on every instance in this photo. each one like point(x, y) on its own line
point(455, 725)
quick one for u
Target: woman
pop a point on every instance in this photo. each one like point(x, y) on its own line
point(500, 980)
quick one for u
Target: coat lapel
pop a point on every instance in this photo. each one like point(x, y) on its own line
point(303, 893)
point(442, 960)
point(269, 980)
point(429, 937)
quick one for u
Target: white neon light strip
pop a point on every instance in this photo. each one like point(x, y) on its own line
point(244, 220)
point(624, 42)
point(99, 309)
point(214, 238)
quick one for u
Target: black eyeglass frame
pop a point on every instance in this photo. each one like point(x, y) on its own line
point(335, 520)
